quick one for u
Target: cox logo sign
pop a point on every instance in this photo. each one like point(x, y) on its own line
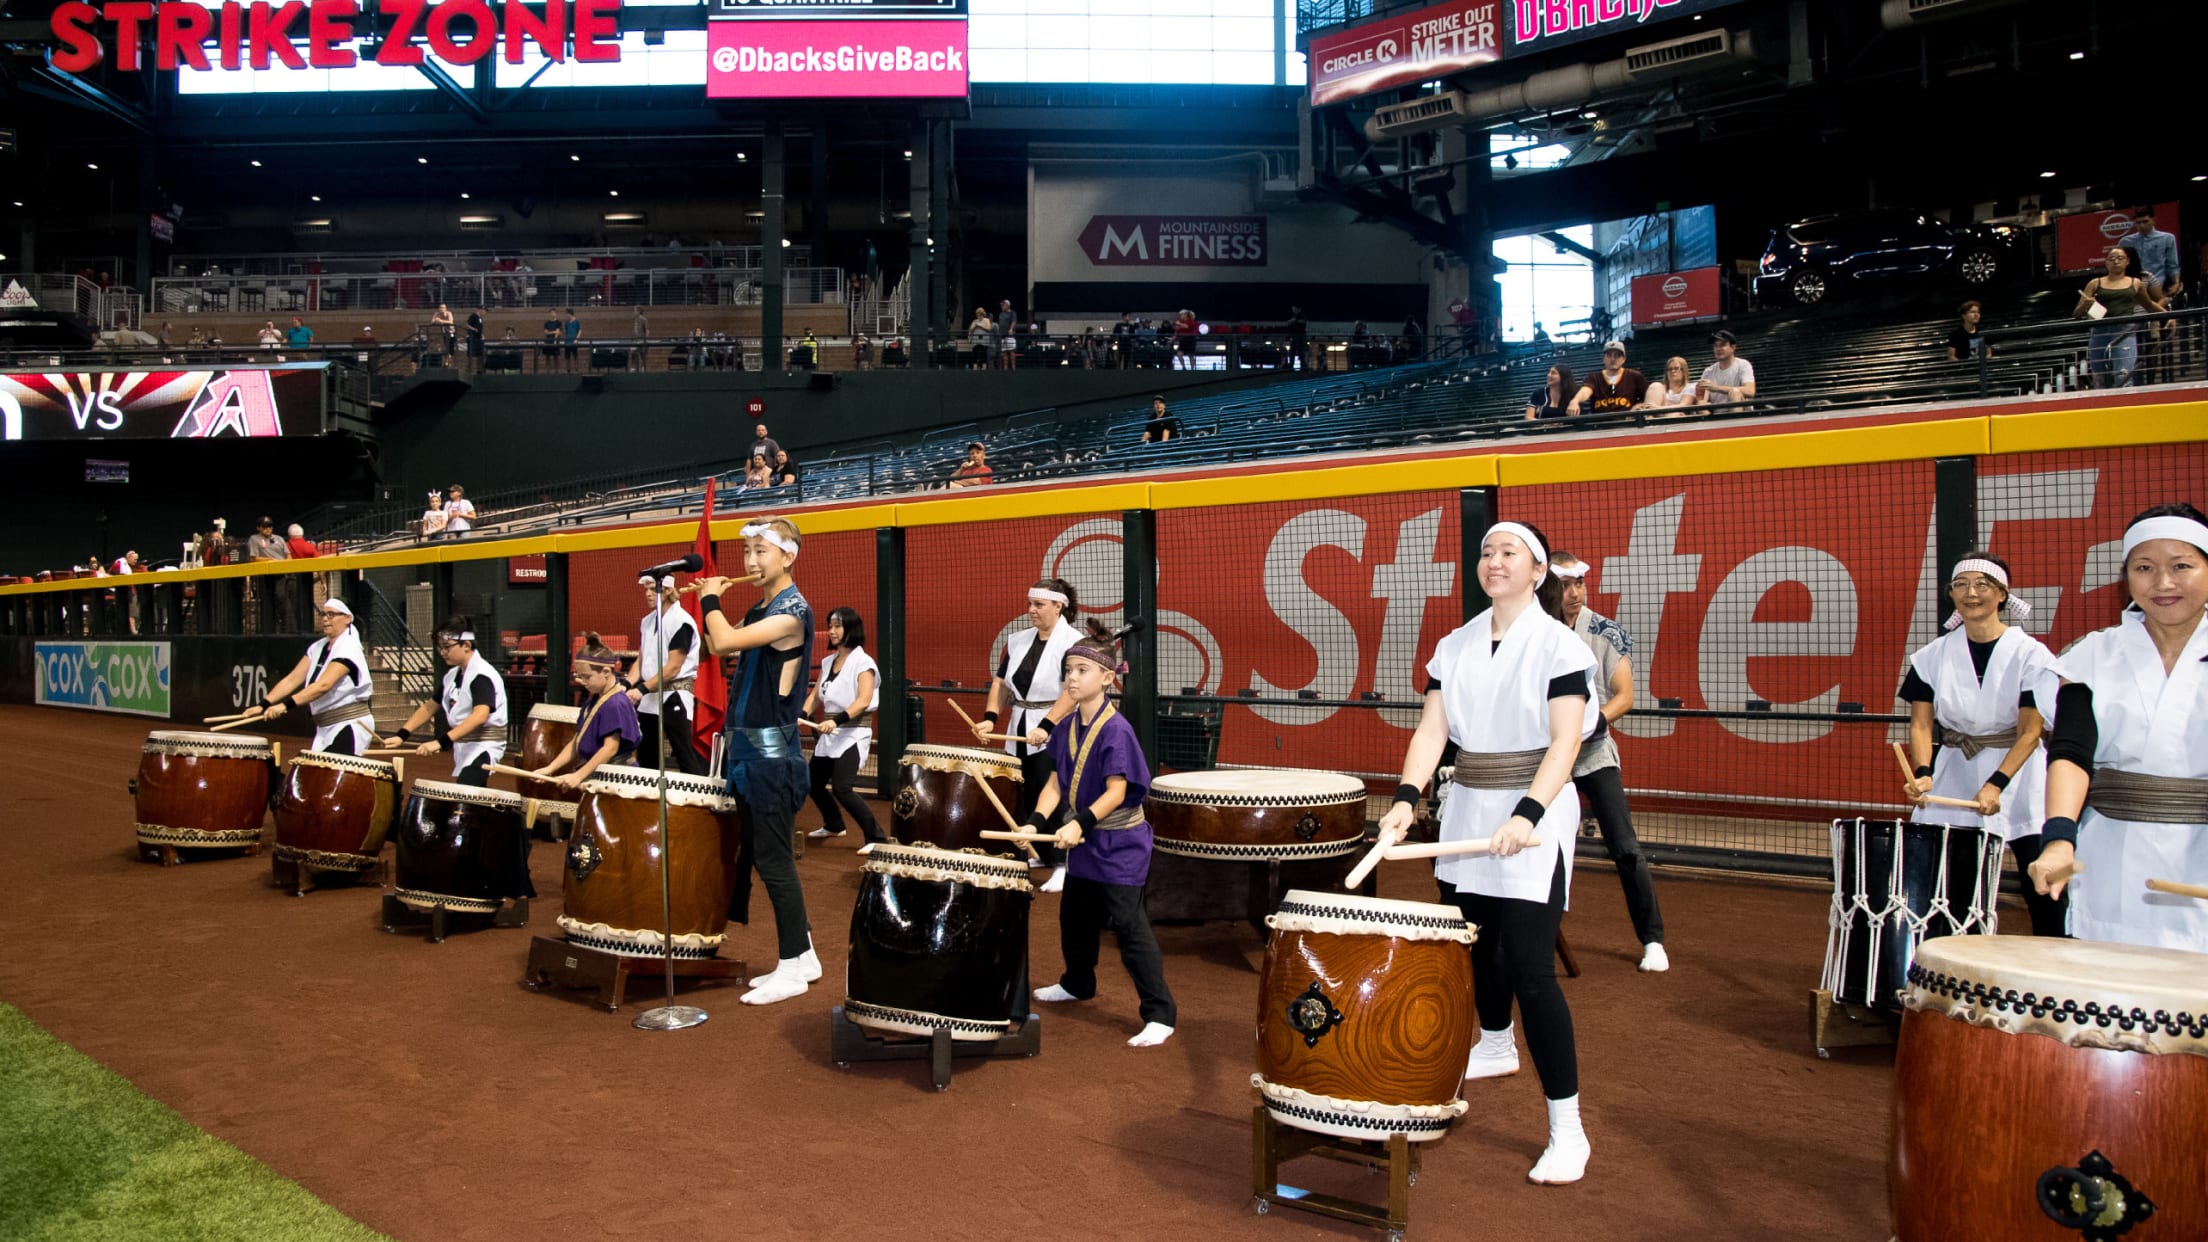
point(1675, 286)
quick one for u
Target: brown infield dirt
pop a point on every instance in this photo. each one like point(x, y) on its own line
point(420, 1090)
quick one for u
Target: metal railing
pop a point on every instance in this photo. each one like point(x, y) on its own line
point(538, 259)
point(68, 295)
point(323, 293)
point(2166, 348)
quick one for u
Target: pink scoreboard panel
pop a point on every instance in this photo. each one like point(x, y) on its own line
point(837, 49)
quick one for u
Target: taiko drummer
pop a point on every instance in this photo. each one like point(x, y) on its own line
point(332, 682)
point(607, 730)
point(1026, 695)
point(469, 712)
point(1097, 758)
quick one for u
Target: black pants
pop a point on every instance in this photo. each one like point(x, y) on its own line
point(682, 741)
point(477, 774)
point(2050, 915)
point(1035, 772)
point(1090, 909)
point(1515, 959)
point(343, 743)
point(769, 794)
point(833, 794)
point(1603, 792)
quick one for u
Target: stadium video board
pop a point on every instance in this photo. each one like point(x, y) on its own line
point(243, 402)
point(839, 57)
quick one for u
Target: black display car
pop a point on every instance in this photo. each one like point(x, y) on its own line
point(1812, 260)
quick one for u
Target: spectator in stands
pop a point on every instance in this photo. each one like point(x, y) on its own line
point(366, 339)
point(127, 563)
point(1553, 396)
point(1731, 378)
point(758, 473)
point(1123, 339)
point(572, 332)
point(1414, 338)
point(785, 470)
point(459, 511)
point(761, 442)
point(551, 346)
point(433, 516)
point(197, 340)
point(1007, 325)
point(1676, 390)
point(1965, 341)
point(862, 350)
point(1184, 340)
point(981, 339)
point(214, 548)
point(167, 335)
point(2112, 351)
point(2157, 253)
point(1466, 322)
point(444, 335)
point(640, 354)
point(1613, 389)
point(1162, 425)
point(893, 352)
point(475, 337)
point(1541, 336)
point(269, 337)
point(263, 545)
point(297, 544)
point(1299, 340)
point(694, 352)
point(974, 471)
point(808, 351)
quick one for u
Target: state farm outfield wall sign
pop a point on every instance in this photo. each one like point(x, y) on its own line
point(1174, 241)
point(188, 35)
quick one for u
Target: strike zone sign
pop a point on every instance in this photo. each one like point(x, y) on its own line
point(299, 34)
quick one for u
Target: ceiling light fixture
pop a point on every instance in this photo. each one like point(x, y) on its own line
point(314, 198)
point(421, 159)
point(463, 193)
point(2045, 175)
point(256, 163)
point(93, 167)
point(613, 193)
point(2077, 56)
point(576, 158)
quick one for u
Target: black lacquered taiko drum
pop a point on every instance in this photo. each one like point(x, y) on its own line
point(939, 942)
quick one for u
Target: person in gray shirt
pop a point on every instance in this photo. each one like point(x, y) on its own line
point(264, 544)
point(1596, 775)
point(1731, 378)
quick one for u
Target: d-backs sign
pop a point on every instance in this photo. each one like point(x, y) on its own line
point(262, 34)
point(160, 405)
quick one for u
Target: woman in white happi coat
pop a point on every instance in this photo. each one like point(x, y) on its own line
point(332, 682)
point(2127, 766)
point(1513, 689)
point(469, 716)
point(1975, 722)
point(847, 694)
point(1026, 694)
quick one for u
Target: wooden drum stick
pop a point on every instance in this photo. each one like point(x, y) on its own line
point(523, 773)
point(1908, 771)
point(1962, 804)
point(990, 834)
point(245, 715)
point(961, 711)
point(1365, 865)
point(235, 724)
point(2181, 890)
point(1444, 849)
point(1009, 822)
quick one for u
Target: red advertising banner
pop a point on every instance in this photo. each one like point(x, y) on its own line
point(525, 570)
point(836, 60)
point(1174, 241)
point(1677, 297)
point(1405, 48)
point(2082, 240)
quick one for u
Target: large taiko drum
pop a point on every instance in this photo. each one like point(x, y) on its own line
point(611, 883)
point(939, 942)
point(462, 847)
point(939, 797)
point(1364, 1016)
point(203, 790)
point(335, 812)
point(1896, 885)
point(2043, 1085)
point(1257, 814)
point(550, 727)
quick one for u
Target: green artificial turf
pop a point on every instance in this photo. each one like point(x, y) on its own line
point(84, 1155)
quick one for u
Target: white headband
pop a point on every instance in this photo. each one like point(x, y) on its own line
point(760, 530)
point(2168, 526)
point(336, 605)
point(457, 636)
point(1532, 542)
point(1575, 570)
point(1046, 595)
point(666, 583)
point(2016, 606)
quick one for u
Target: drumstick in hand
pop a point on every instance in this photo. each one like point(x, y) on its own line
point(2181, 890)
point(224, 728)
point(244, 715)
point(523, 773)
point(960, 710)
point(1961, 804)
point(1365, 865)
point(1908, 773)
point(1444, 849)
point(1009, 822)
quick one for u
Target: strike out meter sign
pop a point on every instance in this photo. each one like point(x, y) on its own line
point(320, 33)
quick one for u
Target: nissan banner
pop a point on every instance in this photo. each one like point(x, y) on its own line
point(1677, 297)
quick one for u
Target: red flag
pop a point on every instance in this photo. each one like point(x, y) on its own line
point(711, 690)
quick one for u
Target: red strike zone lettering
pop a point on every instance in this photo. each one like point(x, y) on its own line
point(262, 34)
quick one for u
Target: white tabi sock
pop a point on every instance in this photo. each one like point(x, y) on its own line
point(1565, 1161)
point(1056, 882)
point(1054, 993)
point(775, 987)
point(1495, 1056)
point(1151, 1035)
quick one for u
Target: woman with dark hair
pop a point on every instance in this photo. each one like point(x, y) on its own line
point(1549, 400)
point(1975, 723)
point(1028, 696)
point(2127, 762)
point(849, 692)
point(2112, 350)
point(1512, 689)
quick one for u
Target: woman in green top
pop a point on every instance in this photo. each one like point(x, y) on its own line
point(2113, 350)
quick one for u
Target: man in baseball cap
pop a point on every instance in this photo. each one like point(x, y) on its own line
point(1614, 389)
point(1731, 378)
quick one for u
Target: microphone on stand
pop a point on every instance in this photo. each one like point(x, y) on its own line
point(688, 564)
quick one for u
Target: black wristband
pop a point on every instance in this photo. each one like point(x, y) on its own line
point(1407, 792)
point(1924, 770)
point(841, 718)
point(1036, 820)
point(989, 718)
point(1087, 819)
point(444, 738)
point(1529, 810)
point(708, 603)
point(1999, 779)
point(1046, 724)
point(404, 735)
point(2058, 828)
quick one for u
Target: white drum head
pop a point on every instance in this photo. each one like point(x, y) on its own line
point(213, 745)
point(945, 758)
point(1347, 914)
point(1258, 787)
point(377, 768)
point(556, 713)
point(2145, 999)
point(480, 795)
